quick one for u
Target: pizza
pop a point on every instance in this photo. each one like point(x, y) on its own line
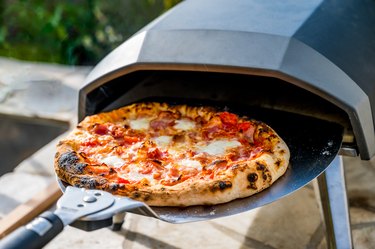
point(172, 155)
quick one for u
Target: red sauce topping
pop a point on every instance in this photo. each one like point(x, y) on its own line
point(151, 161)
point(101, 129)
point(229, 119)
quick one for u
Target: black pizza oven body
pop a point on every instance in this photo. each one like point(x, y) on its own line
point(315, 58)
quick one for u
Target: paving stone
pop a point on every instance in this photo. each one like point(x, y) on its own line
point(364, 238)
point(52, 97)
point(360, 215)
point(17, 188)
point(40, 90)
point(74, 238)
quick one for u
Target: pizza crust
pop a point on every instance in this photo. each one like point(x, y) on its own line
point(238, 181)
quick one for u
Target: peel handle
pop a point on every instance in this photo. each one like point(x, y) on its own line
point(35, 234)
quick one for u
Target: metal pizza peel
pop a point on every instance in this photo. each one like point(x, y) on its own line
point(313, 144)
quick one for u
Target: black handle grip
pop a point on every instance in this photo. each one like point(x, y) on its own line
point(34, 235)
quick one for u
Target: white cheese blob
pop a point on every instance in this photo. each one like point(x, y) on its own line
point(184, 124)
point(134, 175)
point(113, 161)
point(174, 153)
point(163, 141)
point(218, 147)
point(190, 164)
point(140, 124)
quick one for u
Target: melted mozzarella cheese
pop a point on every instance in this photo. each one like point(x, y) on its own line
point(190, 164)
point(133, 149)
point(134, 175)
point(184, 124)
point(174, 152)
point(163, 141)
point(113, 161)
point(218, 147)
point(140, 124)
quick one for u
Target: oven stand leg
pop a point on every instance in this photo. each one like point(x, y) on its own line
point(334, 205)
point(118, 220)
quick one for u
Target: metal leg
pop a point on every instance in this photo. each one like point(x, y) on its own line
point(334, 205)
point(118, 221)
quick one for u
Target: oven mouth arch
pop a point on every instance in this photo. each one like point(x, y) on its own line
point(237, 86)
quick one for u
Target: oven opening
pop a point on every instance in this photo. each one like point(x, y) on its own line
point(223, 89)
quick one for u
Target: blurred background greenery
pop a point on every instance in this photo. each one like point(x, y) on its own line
point(74, 32)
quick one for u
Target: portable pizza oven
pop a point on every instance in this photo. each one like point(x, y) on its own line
point(311, 58)
point(314, 58)
point(304, 67)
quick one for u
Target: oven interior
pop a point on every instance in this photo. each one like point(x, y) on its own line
point(242, 93)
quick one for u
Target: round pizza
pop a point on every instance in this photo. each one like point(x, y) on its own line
point(172, 155)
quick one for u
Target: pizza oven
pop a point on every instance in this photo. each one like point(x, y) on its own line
point(304, 67)
point(310, 58)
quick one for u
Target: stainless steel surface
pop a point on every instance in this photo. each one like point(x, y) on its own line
point(39, 225)
point(334, 205)
point(123, 204)
point(71, 206)
point(348, 151)
point(89, 199)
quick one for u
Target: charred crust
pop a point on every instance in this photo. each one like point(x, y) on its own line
point(270, 151)
point(273, 136)
point(102, 181)
point(78, 167)
point(88, 182)
point(147, 197)
point(252, 177)
point(113, 186)
point(264, 128)
point(266, 175)
point(260, 166)
point(221, 185)
point(69, 161)
point(236, 166)
point(82, 154)
point(252, 185)
point(219, 162)
point(224, 185)
point(278, 163)
point(136, 195)
point(57, 154)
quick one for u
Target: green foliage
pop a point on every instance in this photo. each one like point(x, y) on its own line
point(71, 32)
